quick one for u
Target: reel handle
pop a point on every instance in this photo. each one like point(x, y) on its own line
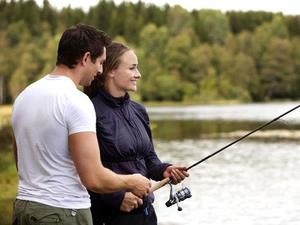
point(157, 185)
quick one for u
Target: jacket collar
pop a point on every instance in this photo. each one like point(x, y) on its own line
point(114, 101)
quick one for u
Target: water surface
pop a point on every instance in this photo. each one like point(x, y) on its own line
point(254, 182)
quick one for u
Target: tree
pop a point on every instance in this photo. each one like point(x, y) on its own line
point(24, 73)
point(152, 13)
point(211, 26)
point(277, 69)
point(295, 45)
point(247, 21)
point(153, 40)
point(176, 52)
point(69, 17)
point(209, 87)
point(263, 34)
point(132, 24)
point(293, 24)
point(240, 43)
point(245, 77)
point(178, 19)
point(4, 67)
point(49, 15)
point(101, 15)
point(199, 66)
point(162, 87)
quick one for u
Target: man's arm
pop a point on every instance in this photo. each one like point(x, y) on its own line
point(85, 152)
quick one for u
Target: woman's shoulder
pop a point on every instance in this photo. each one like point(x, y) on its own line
point(140, 109)
point(99, 104)
point(138, 106)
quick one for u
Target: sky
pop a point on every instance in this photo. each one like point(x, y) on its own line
point(287, 7)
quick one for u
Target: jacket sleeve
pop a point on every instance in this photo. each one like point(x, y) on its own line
point(153, 163)
point(155, 167)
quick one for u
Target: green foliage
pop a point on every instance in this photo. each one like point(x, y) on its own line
point(263, 34)
point(240, 43)
point(209, 86)
point(69, 17)
point(102, 20)
point(296, 62)
point(245, 77)
point(203, 55)
point(176, 52)
point(293, 24)
point(49, 15)
point(277, 69)
point(212, 26)
point(178, 20)
point(190, 91)
point(153, 40)
point(160, 87)
point(200, 63)
point(247, 21)
point(8, 180)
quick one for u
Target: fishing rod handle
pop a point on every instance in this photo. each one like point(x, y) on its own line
point(159, 184)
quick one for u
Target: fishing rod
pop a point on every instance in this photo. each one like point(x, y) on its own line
point(185, 193)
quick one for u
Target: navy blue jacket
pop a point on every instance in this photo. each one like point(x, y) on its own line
point(126, 146)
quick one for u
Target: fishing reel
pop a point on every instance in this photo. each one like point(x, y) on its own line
point(177, 197)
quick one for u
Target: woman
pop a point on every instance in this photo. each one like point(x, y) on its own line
point(125, 140)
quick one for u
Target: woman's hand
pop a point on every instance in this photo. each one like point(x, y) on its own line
point(130, 202)
point(176, 173)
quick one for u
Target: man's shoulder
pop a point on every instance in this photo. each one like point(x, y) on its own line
point(78, 98)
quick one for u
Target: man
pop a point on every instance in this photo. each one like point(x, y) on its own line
point(56, 148)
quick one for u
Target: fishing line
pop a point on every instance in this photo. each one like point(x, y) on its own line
point(243, 137)
point(185, 192)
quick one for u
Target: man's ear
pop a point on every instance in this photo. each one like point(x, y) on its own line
point(85, 58)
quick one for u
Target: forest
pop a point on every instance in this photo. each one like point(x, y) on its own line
point(198, 56)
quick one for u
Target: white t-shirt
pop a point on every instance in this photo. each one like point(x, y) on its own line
point(44, 115)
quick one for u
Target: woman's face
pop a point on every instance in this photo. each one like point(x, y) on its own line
point(125, 77)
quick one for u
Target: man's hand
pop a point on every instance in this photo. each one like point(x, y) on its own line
point(176, 173)
point(130, 202)
point(139, 185)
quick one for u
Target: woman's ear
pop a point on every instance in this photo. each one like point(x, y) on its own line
point(111, 73)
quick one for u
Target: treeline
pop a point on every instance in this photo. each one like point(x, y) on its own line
point(202, 55)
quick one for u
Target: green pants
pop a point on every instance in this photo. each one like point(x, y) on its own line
point(33, 213)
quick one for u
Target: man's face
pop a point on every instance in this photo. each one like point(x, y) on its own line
point(92, 69)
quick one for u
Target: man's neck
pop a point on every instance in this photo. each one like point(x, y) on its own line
point(63, 70)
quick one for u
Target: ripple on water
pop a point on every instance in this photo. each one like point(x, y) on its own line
point(251, 183)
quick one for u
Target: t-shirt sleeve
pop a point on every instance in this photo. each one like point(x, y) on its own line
point(80, 115)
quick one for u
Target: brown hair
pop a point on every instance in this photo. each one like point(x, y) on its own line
point(79, 39)
point(113, 54)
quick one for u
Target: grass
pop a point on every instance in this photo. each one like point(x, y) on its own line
point(8, 172)
point(8, 185)
point(5, 114)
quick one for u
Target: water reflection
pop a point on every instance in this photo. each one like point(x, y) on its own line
point(253, 182)
point(250, 183)
point(194, 129)
point(239, 112)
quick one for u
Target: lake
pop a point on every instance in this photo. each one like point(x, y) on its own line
point(253, 182)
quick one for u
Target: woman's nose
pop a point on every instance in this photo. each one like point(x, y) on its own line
point(138, 74)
